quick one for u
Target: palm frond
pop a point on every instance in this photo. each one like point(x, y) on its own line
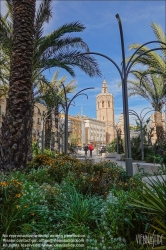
point(160, 35)
point(43, 15)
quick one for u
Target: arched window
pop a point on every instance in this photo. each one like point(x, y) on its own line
point(104, 90)
point(103, 117)
point(108, 104)
point(98, 105)
point(102, 104)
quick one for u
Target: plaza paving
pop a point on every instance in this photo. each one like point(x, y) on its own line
point(148, 167)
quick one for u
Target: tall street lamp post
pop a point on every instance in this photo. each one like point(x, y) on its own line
point(66, 106)
point(141, 119)
point(124, 72)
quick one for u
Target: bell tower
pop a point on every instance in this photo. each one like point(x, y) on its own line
point(105, 111)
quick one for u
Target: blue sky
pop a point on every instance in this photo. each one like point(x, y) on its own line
point(102, 35)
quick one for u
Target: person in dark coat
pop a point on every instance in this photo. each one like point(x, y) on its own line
point(86, 150)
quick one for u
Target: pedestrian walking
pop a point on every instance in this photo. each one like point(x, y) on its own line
point(86, 150)
point(91, 147)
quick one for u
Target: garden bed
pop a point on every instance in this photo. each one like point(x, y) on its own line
point(64, 196)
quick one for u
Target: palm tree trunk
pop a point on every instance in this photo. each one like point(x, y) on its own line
point(48, 129)
point(56, 115)
point(15, 138)
point(159, 126)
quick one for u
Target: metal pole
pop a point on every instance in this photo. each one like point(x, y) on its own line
point(66, 131)
point(42, 141)
point(142, 143)
point(128, 159)
point(117, 141)
point(67, 106)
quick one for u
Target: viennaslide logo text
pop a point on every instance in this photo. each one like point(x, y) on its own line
point(149, 239)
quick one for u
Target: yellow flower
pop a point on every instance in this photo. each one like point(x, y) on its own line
point(3, 183)
point(25, 206)
point(17, 195)
point(32, 214)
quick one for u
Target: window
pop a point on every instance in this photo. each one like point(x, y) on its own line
point(38, 121)
point(104, 90)
point(0, 110)
point(102, 104)
point(103, 117)
point(39, 113)
point(108, 104)
point(98, 105)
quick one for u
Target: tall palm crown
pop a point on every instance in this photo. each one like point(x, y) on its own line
point(56, 49)
point(150, 83)
point(150, 87)
point(156, 62)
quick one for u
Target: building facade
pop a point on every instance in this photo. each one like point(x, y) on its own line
point(94, 131)
point(105, 111)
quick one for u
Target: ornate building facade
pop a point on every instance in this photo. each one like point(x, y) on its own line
point(105, 111)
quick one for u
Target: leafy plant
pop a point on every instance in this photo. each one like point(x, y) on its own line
point(154, 202)
point(75, 209)
point(112, 147)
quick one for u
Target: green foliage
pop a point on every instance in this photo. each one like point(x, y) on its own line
point(152, 199)
point(70, 196)
point(49, 153)
point(61, 166)
point(75, 209)
point(41, 160)
point(35, 149)
point(112, 147)
point(123, 219)
point(21, 207)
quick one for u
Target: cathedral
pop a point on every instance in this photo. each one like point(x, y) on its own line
point(105, 111)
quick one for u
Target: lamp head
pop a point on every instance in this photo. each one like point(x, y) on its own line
point(117, 16)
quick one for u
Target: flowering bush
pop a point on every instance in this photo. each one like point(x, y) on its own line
point(61, 166)
point(98, 178)
point(42, 160)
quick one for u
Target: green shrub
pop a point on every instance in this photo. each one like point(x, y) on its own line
point(42, 160)
point(22, 208)
point(112, 147)
point(152, 201)
point(35, 149)
point(77, 212)
point(61, 166)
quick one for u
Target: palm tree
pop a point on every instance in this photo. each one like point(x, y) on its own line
point(52, 96)
point(151, 88)
point(155, 62)
point(16, 126)
point(56, 49)
point(52, 50)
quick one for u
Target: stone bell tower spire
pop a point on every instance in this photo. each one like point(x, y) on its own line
point(105, 111)
point(104, 87)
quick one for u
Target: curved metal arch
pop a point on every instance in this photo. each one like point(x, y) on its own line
point(146, 52)
point(140, 48)
point(102, 55)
